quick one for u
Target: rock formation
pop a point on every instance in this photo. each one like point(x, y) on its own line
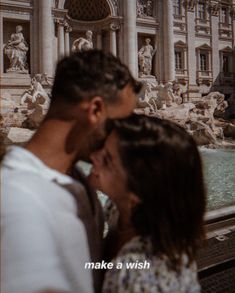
point(204, 119)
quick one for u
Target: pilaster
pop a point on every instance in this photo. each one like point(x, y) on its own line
point(215, 7)
point(113, 38)
point(192, 64)
point(130, 39)
point(1, 46)
point(169, 58)
point(45, 37)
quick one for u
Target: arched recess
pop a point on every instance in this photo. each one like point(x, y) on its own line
point(87, 10)
point(112, 4)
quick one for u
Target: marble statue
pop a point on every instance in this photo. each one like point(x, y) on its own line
point(165, 94)
point(177, 92)
point(36, 91)
point(83, 44)
point(43, 79)
point(145, 56)
point(16, 50)
point(149, 99)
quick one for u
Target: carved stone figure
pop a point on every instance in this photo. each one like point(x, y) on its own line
point(36, 91)
point(145, 56)
point(177, 92)
point(149, 100)
point(43, 79)
point(83, 44)
point(149, 8)
point(16, 50)
point(165, 94)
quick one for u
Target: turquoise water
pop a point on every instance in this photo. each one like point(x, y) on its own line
point(219, 171)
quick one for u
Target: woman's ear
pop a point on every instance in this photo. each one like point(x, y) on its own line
point(96, 110)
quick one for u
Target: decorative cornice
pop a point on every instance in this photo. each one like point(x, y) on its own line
point(59, 13)
point(59, 21)
point(114, 26)
point(67, 27)
point(190, 5)
point(180, 25)
point(20, 9)
point(214, 8)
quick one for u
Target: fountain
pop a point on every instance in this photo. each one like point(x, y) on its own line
point(204, 119)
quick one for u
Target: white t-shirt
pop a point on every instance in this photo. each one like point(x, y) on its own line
point(43, 242)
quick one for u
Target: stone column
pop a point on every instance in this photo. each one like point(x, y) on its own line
point(1, 46)
point(46, 37)
point(192, 61)
point(68, 29)
point(185, 60)
point(130, 37)
point(113, 38)
point(233, 24)
point(160, 49)
point(61, 40)
point(215, 43)
point(156, 62)
point(99, 40)
point(113, 42)
point(169, 41)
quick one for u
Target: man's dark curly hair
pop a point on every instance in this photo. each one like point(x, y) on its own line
point(164, 170)
point(90, 73)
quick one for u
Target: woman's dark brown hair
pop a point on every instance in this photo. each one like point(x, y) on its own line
point(165, 171)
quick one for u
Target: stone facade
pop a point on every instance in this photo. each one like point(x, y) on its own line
point(193, 40)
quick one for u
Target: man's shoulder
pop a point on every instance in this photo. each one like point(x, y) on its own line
point(32, 189)
point(22, 179)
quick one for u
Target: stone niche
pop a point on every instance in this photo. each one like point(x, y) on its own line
point(9, 28)
point(142, 42)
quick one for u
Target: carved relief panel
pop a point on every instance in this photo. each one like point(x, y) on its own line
point(144, 8)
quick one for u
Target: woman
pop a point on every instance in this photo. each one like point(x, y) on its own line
point(151, 170)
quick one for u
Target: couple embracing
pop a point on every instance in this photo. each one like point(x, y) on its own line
point(52, 223)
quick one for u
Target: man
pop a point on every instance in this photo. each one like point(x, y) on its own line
point(51, 225)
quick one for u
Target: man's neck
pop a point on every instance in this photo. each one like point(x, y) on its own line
point(48, 144)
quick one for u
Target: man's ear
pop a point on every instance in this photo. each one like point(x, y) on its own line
point(96, 110)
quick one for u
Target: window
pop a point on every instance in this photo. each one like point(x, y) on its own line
point(225, 64)
point(178, 60)
point(201, 11)
point(224, 15)
point(177, 7)
point(203, 62)
point(204, 73)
